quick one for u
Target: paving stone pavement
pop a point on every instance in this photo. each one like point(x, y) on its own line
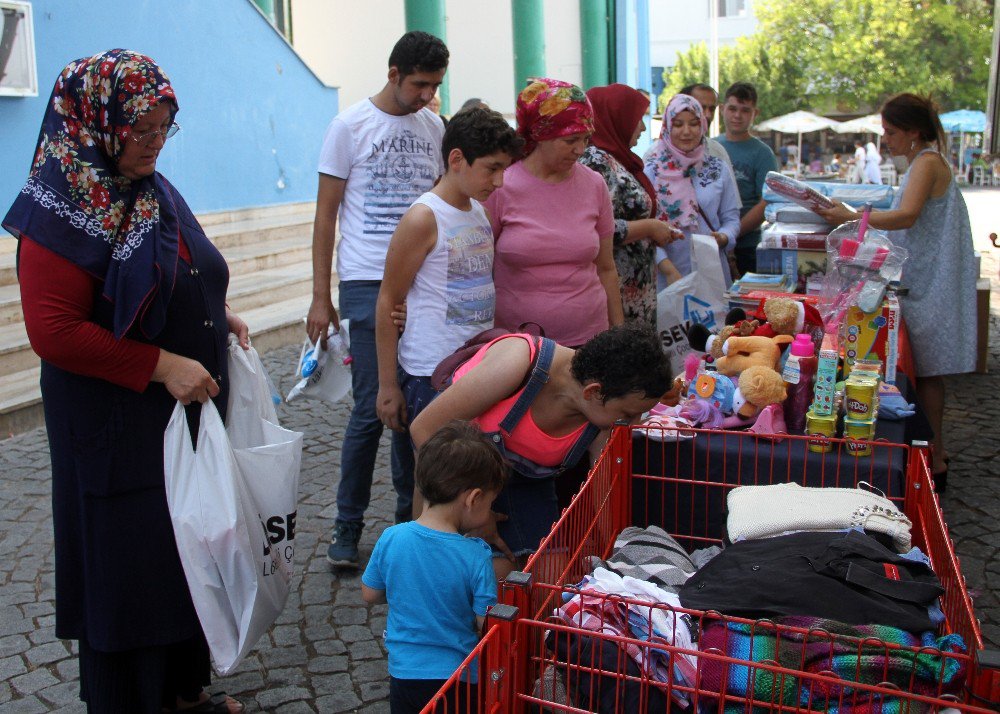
point(325, 653)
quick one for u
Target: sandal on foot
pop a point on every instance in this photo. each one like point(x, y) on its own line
point(218, 703)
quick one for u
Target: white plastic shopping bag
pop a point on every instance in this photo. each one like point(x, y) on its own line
point(325, 374)
point(698, 297)
point(250, 396)
point(233, 512)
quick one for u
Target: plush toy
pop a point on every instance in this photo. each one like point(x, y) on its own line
point(785, 316)
point(714, 400)
point(741, 353)
point(760, 387)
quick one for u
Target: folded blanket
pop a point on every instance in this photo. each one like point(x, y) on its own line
point(850, 655)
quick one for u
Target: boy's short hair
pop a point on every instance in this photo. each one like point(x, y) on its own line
point(480, 132)
point(458, 458)
point(743, 91)
point(418, 51)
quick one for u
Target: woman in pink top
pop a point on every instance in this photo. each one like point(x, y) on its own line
point(553, 224)
point(543, 404)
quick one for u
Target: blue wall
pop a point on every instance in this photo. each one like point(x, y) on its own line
point(252, 112)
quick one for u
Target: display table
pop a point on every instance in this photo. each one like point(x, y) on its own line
point(699, 472)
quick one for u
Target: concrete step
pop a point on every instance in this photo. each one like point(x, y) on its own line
point(8, 273)
point(271, 326)
point(10, 304)
point(264, 287)
point(213, 218)
point(20, 402)
point(261, 230)
point(280, 323)
point(15, 351)
point(248, 259)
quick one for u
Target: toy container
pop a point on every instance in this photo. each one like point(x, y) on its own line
point(799, 374)
point(821, 425)
point(858, 432)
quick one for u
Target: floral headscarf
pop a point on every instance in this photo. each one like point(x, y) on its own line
point(674, 169)
point(76, 204)
point(550, 108)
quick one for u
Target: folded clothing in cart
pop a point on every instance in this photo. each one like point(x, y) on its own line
point(590, 673)
point(849, 651)
point(593, 610)
point(651, 554)
point(765, 511)
point(849, 577)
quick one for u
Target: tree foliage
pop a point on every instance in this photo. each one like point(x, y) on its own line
point(851, 55)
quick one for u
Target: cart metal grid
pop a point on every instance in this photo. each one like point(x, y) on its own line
point(520, 667)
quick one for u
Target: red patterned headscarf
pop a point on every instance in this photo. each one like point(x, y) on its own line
point(618, 109)
point(549, 108)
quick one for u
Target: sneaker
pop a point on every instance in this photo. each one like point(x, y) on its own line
point(343, 550)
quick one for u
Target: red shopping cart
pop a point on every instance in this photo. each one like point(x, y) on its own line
point(531, 660)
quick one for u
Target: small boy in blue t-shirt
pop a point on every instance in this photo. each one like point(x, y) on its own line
point(438, 583)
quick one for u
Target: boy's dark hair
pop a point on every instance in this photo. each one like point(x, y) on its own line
point(743, 91)
point(457, 458)
point(689, 89)
point(418, 51)
point(480, 132)
point(623, 360)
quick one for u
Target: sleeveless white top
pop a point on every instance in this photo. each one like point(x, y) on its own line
point(452, 296)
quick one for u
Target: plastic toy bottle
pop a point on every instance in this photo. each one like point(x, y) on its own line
point(799, 374)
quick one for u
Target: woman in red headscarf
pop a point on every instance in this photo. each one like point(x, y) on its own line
point(618, 123)
point(553, 224)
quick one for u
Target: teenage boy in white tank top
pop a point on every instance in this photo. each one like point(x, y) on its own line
point(440, 260)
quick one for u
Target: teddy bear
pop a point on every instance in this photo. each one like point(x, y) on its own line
point(785, 316)
point(741, 353)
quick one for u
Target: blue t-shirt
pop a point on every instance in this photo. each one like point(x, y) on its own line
point(436, 584)
point(752, 159)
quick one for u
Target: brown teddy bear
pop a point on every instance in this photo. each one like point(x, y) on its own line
point(741, 353)
point(759, 386)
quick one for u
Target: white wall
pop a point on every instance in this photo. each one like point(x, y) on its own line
point(347, 43)
point(676, 25)
point(482, 53)
point(562, 41)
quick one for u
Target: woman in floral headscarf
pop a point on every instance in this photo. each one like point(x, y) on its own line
point(553, 224)
point(124, 301)
point(695, 192)
point(618, 119)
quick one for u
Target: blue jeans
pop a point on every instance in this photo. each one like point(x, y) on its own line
point(364, 430)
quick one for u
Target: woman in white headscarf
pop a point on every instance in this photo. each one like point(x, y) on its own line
point(695, 192)
point(873, 164)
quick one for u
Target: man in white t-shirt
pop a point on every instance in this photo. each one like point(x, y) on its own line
point(378, 156)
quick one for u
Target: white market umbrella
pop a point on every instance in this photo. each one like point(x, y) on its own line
point(871, 124)
point(800, 123)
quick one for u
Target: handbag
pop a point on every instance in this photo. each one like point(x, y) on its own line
point(232, 502)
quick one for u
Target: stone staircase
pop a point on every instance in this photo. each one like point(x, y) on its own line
point(270, 263)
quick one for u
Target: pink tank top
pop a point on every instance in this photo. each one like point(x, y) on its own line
point(527, 439)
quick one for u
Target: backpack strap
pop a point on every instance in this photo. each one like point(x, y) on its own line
point(545, 350)
point(544, 354)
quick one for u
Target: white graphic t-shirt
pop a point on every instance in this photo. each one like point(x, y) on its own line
point(452, 296)
point(388, 161)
